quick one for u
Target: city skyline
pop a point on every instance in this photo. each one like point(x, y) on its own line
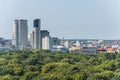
point(69, 19)
point(39, 39)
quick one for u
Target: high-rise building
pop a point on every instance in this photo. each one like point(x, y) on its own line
point(20, 34)
point(37, 34)
point(32, 39)
point(15, 34)
point(45, 39)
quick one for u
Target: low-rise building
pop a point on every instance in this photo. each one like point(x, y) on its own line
point(59, 48)
point(74, 48)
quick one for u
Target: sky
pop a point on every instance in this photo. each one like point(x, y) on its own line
point(71, 19)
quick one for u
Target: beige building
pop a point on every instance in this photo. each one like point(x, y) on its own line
point(45, 39)
point(74, 48)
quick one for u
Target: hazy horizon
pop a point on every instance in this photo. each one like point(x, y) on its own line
point(71, 19)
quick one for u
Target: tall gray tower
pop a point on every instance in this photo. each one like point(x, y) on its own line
point(37, 34)
point(20, 34)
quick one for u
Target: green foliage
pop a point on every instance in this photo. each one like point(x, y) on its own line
point(45, 65)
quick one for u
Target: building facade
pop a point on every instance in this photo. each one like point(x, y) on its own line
point(32, 39)
point(37, 34)
point(54, 41)
point(20, 34)
point(45, 39)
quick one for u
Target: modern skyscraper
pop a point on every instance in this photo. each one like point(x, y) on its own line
point(20, 34)
point(45, 39)
point(37, 34)
point(15, 34)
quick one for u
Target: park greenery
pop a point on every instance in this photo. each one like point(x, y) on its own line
point(45, 65)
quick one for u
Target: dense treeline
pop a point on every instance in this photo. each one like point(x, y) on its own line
point(45, 65)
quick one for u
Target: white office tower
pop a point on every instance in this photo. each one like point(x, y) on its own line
point(37, 34)
point(20, 34)
point(32, 39)
point(15, 34)
point(45, 37)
